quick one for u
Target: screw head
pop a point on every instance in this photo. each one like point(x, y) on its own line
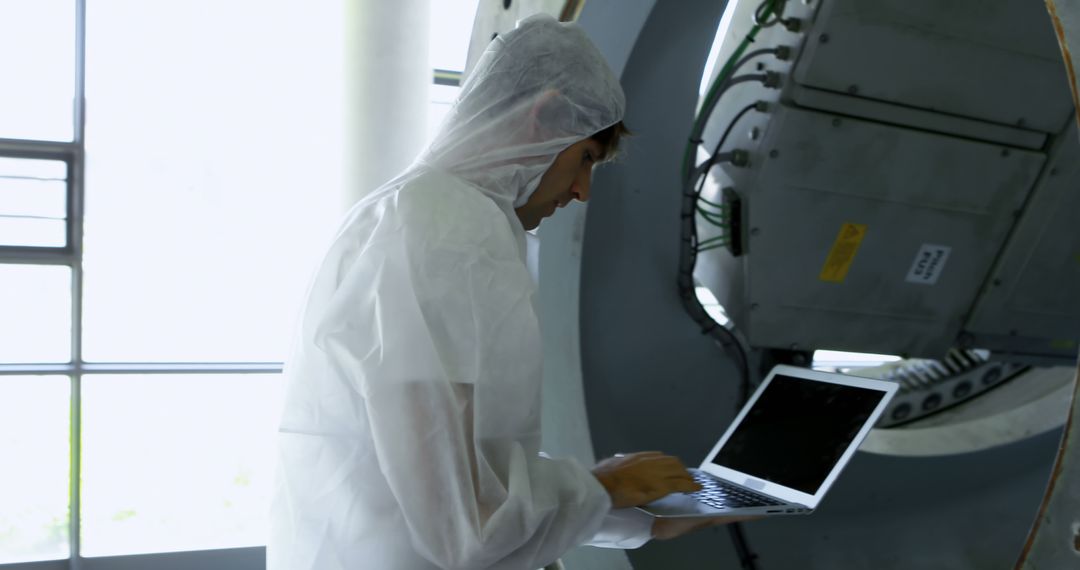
point(753, 306)
point(853, 89)
point(997, 282)
point(754, 231)
point(823, 38)
point(836, 122)
point(1053, 172)
point(1005, 152)
point(774, 153)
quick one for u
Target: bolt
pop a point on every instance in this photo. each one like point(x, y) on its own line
point(836, 122)
point(823, 38)
point(853, 89)
point(774, 153)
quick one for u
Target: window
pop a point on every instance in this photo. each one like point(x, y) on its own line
point(34, 431)
point(451, 24)
point(37, 44)
point(193, 475)
point(33, 202)
point(153, 252)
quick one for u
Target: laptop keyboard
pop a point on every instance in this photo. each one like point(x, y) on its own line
point(723, 495)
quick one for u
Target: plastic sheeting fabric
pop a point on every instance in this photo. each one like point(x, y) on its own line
point(411, 430)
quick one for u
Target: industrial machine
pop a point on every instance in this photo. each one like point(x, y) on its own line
point(889, 177)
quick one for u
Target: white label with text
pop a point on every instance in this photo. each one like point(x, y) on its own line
point(928, 264)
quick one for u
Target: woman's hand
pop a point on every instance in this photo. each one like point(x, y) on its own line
point(639, 478)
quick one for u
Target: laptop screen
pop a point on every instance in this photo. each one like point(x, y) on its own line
point(797, 430)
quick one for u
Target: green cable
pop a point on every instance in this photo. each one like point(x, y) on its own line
point(717, 246)
point(715, 219)
point(721, 239)
point(725, 72)
point(713, 204)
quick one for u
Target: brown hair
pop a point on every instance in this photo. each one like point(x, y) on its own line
point(609, 138)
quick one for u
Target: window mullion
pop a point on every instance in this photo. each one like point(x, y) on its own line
point(75, 210)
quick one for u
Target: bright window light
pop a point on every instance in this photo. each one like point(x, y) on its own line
point(177, 462)
point(34, 442)
point(35, 305)
point(213, 174)
point(451, 31)
point(838, 359)
point(33, 202)
point(451, 28)
point(712, 306)
point(37, 64)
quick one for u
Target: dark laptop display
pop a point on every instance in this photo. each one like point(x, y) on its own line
point(797, 430)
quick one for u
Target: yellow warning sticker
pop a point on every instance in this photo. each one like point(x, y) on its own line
point(843, 252)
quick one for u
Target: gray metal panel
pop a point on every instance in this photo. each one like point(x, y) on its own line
point(1033, 292)
point(915, 118)
point(910, 188)
point(992, 60)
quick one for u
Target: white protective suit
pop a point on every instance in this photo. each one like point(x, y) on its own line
point(411, 431)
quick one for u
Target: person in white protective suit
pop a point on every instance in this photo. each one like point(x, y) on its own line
point(411, 430)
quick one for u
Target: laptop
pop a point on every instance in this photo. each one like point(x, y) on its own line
point(785, 448)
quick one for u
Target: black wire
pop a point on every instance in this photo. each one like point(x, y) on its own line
point(747, 57)
point(710, 104)
point(747, 557)
point(719, 144)
point(711, 325)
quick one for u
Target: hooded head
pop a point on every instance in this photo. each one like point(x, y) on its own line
point(535, 91)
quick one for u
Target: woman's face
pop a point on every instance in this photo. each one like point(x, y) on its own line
point(567, 179)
